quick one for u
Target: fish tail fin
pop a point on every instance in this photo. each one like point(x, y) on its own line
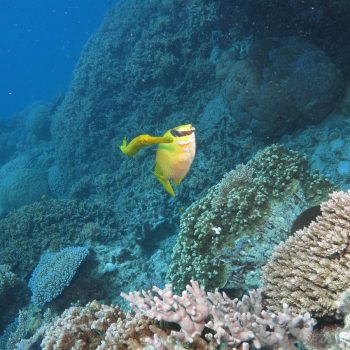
point(123, 146)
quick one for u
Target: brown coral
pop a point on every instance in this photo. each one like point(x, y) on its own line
point(311, 269)
point(96, 326)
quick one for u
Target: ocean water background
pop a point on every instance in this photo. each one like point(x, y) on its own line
point(40, 43)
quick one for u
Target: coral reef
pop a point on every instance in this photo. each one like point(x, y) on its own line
point(122, 71)
point(189, 311)
point(236, 70)
point(144, 66)
point(290, 89)
point(27, 322)
point(238, 324)
point(11, 300)
point(22, 187)
point(7, 145)
point(217, 320)
point(27, 133)
point(21, 183)
point(327, 147)
point(49, 225)
point(229, 233)
point(54, 272)
point(96, 326)
point(322, 22)
point(310, 270)
point(7, 279)
point(125, 68)
point(331, 335)
point(116, 259)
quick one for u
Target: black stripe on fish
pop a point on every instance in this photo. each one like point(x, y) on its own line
point(179, 133)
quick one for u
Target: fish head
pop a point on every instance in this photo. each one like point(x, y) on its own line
point(183, 134)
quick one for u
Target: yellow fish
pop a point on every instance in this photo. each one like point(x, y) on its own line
point(175, 153)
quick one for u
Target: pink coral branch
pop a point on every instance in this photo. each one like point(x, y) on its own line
point(189, 311)
point(238, 324)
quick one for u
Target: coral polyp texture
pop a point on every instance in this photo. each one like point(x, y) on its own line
point(228, 235)
point(54, 272)
point(95, 326)
point(235, 324)
point(189, 311)
point(310, 271)
point(196, 320)
point(49, 225)
point(7, 279)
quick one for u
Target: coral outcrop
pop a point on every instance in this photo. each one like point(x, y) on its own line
point(54, 272)
point(124, 69)
point(97, 327)
point(150, 65)
point(226, 236)
point(207, 321)
point(7, 279)
point(310, 271)
point(237, 324)
point(139, 54)
point(21, 183)
point(275, 97)
point(49, 225)
point(10, 300)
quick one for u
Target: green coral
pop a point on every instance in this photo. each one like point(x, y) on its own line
point(235, 224)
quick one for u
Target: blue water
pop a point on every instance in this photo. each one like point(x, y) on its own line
point(40, 43)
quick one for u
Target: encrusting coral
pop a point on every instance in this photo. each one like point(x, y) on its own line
point(310, 271)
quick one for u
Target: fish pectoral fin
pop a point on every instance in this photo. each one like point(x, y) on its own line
point(142, 141)
point(164, 181)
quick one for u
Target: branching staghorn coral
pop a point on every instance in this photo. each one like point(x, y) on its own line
point(310, 271)
point(189, 311)
point(238, 324)
point(214, 320)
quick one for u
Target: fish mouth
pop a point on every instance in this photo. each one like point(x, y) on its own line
point(180, 133)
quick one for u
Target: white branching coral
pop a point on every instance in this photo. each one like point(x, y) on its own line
point(238, 324)
point(189, 311)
